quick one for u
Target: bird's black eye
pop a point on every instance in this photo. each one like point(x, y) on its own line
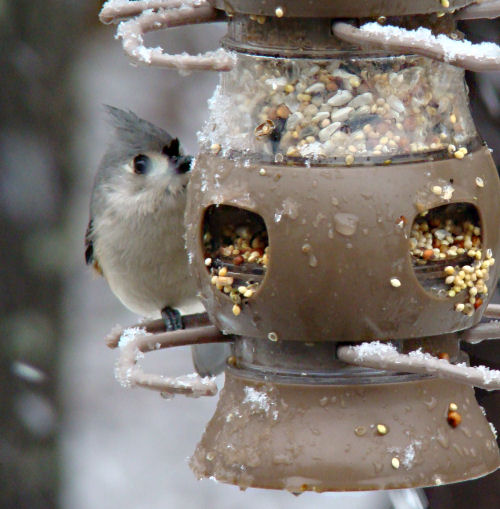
point(141, 164)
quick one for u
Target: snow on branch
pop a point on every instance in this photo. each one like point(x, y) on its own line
point(475, 57)
point(385, 356)
point(136, 341)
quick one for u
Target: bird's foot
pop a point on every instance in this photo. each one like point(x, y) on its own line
point(172, 318)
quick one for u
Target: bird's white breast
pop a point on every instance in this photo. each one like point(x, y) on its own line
point(140, 248)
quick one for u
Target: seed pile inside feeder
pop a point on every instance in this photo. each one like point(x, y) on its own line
point(237, 262)
point(449, 256)
point(353, 110)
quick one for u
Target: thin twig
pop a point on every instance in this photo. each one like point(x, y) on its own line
point(385, 356)
point(129, 373)
point(131, 32)
point(114, 11)
point(484, 10)
point(421, 42)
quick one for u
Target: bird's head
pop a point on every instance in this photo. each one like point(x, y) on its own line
point(143, 163)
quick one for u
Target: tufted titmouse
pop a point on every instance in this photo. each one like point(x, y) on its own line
point(135, 236)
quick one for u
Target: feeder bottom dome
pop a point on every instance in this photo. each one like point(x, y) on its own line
point(306, 436)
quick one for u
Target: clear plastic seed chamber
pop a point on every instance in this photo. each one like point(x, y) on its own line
point(342, 230)
point(350, 109)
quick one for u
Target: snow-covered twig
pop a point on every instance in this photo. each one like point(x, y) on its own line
point(489, 9)
point(385, 356)
point(116, 10)
point(135, 342)
point(475, 57)
point(131, 32)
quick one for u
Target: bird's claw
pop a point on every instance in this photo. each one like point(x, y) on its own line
point(172, 319)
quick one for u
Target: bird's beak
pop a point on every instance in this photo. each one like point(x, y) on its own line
point(183, 163)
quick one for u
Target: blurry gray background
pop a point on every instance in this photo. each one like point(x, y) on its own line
point(70, 436)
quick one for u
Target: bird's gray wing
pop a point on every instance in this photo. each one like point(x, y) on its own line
point(90, 258)
point(89, 246)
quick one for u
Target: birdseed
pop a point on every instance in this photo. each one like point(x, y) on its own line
point(237, 262)
point(457, 242)
point(340, 111)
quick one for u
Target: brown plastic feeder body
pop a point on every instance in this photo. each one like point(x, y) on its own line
point(337, 8)
point(329, 277)
point(301, 437)
point(290, 415)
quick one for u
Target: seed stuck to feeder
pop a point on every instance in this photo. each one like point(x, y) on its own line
point(280, 12)
point(382, 429)
point(454, 419)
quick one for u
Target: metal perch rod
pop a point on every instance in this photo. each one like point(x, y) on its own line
point(156, 326)
point(463, 54)
point(484, 10)
point(116, 10)
point(481, 332)
point(156, 17)
point(385, 356)
point(492, 311)
point(130, 374)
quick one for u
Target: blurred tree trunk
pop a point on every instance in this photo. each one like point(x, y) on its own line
point(37, 40)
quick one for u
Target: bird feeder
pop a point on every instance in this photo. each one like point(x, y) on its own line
point(342, 229)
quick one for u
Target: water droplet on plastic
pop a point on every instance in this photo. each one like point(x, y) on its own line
point(442, 439)
point(360, 431)
point(431, 404)
point(466, 431)
point(345, 223)
point(323, 401)
point(320, 216)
